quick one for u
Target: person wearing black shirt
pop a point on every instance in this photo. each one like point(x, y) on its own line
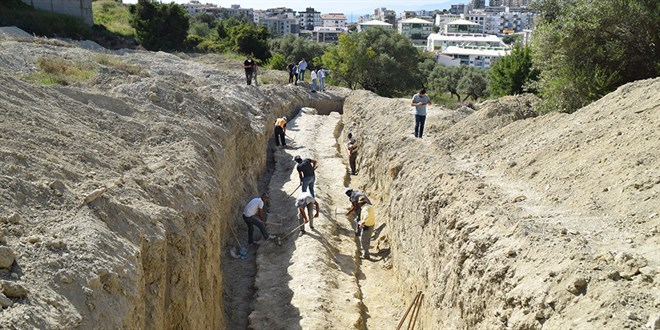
point(249, 65)
point(306, 173)
point(291, 67)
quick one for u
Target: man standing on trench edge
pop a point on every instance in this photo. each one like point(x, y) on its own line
point(253, 215)
point(306, 201)
point(306, 173)
point(249, 66)
point(419, 101)
point(354, 197)
point(280, 131)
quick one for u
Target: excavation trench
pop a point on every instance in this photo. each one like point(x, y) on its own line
point(313, 280)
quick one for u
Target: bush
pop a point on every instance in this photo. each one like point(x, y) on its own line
point(115, 16)
point(277, 62)
point(160, 26)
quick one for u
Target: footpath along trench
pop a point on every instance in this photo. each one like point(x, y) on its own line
point(314, 280)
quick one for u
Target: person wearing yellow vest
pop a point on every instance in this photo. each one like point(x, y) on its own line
point(367, 223)
point(280, 131)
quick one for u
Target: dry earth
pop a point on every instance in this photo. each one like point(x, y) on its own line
point(504, 220)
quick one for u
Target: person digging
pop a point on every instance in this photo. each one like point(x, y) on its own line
point(306, 204)
point(366, 225)
point(253, 215)
point(354, 197)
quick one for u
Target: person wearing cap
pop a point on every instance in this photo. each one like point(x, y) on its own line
point(280, 131)
point(253, 215)
point(306, 173)
point(306, 201)
point(419, 101)
point(354, 196)
point(366, 225)
point(352, 147)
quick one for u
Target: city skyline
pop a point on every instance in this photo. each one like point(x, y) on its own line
point(348, 8)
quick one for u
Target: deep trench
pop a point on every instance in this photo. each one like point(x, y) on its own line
point(238, 309)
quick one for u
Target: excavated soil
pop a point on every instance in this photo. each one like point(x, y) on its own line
point(503, 219)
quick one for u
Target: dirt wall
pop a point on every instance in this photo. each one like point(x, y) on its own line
point(179, 151)
point(491, 216)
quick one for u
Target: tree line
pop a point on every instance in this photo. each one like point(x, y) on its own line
point(580, 51)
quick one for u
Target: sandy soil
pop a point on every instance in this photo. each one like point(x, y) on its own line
point(504, 220)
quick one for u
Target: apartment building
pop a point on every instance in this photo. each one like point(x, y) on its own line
point(459, 44)
point(237, 11)
point(333, 20)
point(415, 28)
point(373, 23)
point(328, 33)
point(280, 25)
point(509, 3)
point(385, 15)
point(309, 19)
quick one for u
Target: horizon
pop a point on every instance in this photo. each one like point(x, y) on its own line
point(352, 9)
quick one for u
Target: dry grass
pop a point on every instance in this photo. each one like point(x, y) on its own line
point(59, 71)
point(118, 64)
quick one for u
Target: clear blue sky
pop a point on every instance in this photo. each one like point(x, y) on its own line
point(357, 7)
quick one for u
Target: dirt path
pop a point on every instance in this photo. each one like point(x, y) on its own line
point(314, 280)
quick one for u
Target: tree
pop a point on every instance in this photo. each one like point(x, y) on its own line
point(296, 48)
point(586, 48)
point(446, 79)
point(382, 61)
point(247, 38)
point(473, 83)
point(513, 74)
point(159, 26)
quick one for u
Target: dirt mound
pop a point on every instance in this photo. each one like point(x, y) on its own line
point(508, 220)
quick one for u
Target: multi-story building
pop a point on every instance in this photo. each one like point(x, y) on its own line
point(333, 20)
point(478, 17)
point(415, 28)
point(78, 8)
point(327, 33)
point(373, 23)
point(458, 44)
point(406, 14)
point(237, 11)
point(505, 21)
point(309, 19)
point(459, 9)
point(385, 15)
point(280, 25)
point(478, 4)
point(442, 19)
point(508, 3)
point(195, 7)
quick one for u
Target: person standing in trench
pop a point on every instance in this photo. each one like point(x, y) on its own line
point(366, 225)
point(280, 131)
point(352, 147)
point(253, 215)
point(306, 173)
point(354, 196)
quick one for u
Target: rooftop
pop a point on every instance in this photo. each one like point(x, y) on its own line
point(454, 50)
point(376, 22)
point(416, 21)
point(462, 22)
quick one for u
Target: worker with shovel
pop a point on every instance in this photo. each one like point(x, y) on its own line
point(306, 173)
point(354, 196)
point(366, 225)
point(253, 215)
point(306, 201)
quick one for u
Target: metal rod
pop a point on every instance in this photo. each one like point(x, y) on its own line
point(403, 319)
point(419, 305)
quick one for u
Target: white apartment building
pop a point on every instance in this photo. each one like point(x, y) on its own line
point(333, 20)
point(328, 33)
point(237, 11)
point(373, 23)
point(280, 25)
point(478, 17)
point(460, 45)
point(415, 28)
point(506, 22)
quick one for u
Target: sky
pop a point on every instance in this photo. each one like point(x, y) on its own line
point(356, 7)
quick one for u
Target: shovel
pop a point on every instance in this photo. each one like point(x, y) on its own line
point(300, 184)
point(242, 250)
point(281, 238)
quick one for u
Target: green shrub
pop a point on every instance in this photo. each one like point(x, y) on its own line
point(277, 62)
point(114, 16)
